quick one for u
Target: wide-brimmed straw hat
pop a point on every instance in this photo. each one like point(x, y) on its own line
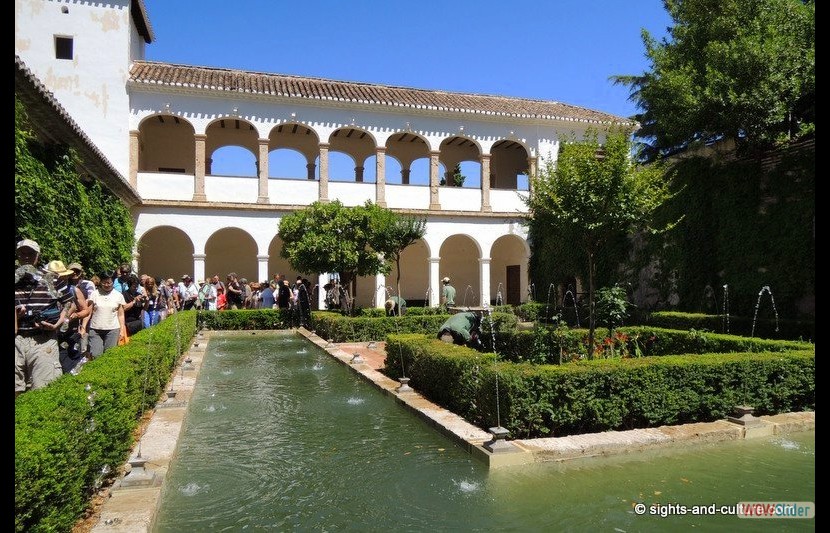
point(57, 267)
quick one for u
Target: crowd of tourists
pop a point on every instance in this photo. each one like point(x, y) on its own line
point(63, 319)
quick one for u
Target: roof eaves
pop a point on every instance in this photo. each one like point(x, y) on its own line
point(39, 99)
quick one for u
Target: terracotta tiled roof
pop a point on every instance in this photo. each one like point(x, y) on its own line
point(240, 81)
point(53, 122)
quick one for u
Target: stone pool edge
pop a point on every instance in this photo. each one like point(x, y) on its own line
point(133, 502)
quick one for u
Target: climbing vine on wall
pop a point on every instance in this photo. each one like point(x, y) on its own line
point(747, 224)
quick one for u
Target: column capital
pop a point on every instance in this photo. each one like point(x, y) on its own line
point(134, 133)
point(380, 149)
point(435, 153)
point(434, 259)
point(484, 157)
point(199, 256)
point(484, 260)
point(262, 257)
point(200, 136)
point(324, 145)
point(263, 141)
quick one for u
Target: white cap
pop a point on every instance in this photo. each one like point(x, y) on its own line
point(29, 243)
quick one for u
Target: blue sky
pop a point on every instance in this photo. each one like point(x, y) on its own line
point(562, 50)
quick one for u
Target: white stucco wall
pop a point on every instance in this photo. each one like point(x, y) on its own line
point(91, 86)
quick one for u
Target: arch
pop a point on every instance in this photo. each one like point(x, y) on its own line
point(166, 144)
point(231, 131)
point(287, 163)
point(508, 161)
point(459, 150)
point(233, 160)
point(393, 171)
point(370, 169)
point(509, 256)
point(341, 166)
point(231, 250)
point(414, 282)
point(165, 252)
point(407, 147)
point(279, 265)
point(419, 171)
point(295, 136)
point(471, 170)
point(357, 143)
point(459, 255)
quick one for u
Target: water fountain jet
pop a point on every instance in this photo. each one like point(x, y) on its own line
point(764, 289)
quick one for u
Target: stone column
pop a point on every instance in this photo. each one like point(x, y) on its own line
point(485, 183)
point(311, 168)
point(262, 197)
point(434, 281)
point(198, 267)
point(484, 274)
point(358, 174)
point(531, 172)
point(380, 176)
point(262, 267)
point(199, 174)
point(136, 258)
point(323, 195)
point(380, 290)
point(433, 181)
point(134, 159)
point(405, 175)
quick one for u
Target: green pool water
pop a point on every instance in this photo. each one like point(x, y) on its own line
point(281, 437)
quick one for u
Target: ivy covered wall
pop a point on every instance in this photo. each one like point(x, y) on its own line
point(71, 219)
point(746, 224)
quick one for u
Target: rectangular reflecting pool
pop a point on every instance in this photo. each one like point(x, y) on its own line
point(280, 436)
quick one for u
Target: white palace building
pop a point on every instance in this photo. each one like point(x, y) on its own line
point(154, 130)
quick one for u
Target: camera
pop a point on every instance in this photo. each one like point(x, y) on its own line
point(32, 316)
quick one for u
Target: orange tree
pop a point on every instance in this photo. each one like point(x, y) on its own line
point(593, 193)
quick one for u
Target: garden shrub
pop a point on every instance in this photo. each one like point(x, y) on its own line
point(604, 394)
point(74, 434)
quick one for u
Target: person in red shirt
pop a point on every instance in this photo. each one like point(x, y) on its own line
point(221, 300)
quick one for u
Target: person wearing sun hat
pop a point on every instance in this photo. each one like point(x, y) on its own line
point(36, 356)
point(188, 292)
point(77, 279)
point(70, 341)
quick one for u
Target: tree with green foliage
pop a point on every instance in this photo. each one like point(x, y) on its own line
point(395, 233)
point(71, 220)
point(594, 192)
point(730, 69)
point(361, 240)
point(456, 179)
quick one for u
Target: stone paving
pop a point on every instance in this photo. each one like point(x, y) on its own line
point(133, 500)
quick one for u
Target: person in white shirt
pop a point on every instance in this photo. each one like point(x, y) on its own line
point(106, 324)
point(188, 292)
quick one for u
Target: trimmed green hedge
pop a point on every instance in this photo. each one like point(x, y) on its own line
point(72, 435)
point(605, 394)
point(764, 328)
point(340, 328)
point(542, 345)
point(244, 319)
